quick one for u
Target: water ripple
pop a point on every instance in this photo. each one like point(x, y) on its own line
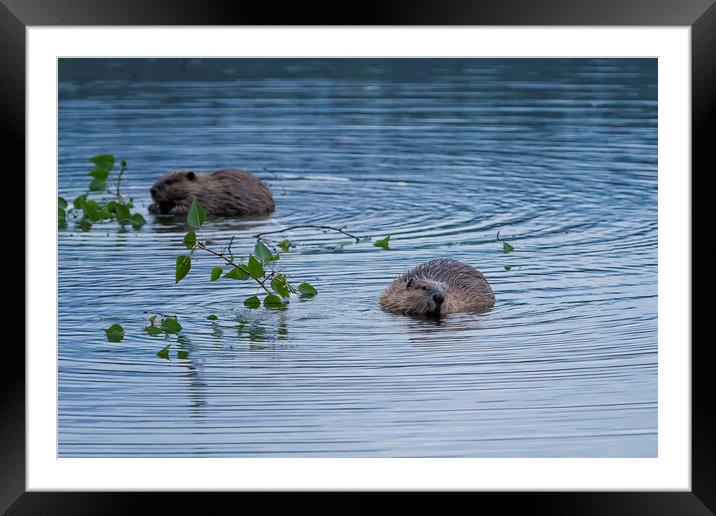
point(559, 159)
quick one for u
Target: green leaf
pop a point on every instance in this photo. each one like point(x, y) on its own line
point(284, 245)
point(237, 273)
point(212, 317)
point(93, 211)
point(61, 215)
point(252, 302)
point(89, 206)
point(115, 333)
point(255, 269)
point(508, 268)
point(183, 267)
point(507, 248)
point(170, 325)
point(181, 354)
point(123, 164)
point(280, 285)
point(111, 207)
point(99, 173)
point(84, 224)
point(196, 216)
point(307, 290)
point(104, 161)
point(163, 353)
point(273, 301)
point(382, 243)
point(61, 202)
point(262, 252)
point(190, 240)
point(153, 330)
point(138, 220)
point(97, 185)
point(216, 273)
point(121, 211)
point(79, 201)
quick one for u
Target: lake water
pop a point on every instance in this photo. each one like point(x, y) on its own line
point(558, 156)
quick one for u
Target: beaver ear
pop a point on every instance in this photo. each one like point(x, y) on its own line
point(407, 285)
point(191, 176)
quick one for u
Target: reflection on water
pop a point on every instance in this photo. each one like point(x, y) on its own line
point(559, 156)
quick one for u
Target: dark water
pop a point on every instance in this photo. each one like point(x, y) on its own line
point(559, 156)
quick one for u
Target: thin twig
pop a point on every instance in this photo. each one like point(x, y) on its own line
point(308, 226)
point(229, 248)
point(230, 254)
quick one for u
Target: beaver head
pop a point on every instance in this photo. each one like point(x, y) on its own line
point(175, 188)
point(420, 296)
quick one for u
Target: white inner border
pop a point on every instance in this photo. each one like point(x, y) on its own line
point(670, 471)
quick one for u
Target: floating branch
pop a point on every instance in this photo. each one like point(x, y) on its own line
point(308, 226)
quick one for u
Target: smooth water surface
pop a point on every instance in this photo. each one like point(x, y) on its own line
point(558, 156)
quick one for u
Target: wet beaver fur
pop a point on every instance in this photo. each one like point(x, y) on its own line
point(224, 193)
point(438, 287)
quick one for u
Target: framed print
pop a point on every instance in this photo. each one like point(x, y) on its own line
point(427, 250)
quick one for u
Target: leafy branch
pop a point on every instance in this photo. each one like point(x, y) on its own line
point(84, 212)
point(285, 244)
point(259, 266)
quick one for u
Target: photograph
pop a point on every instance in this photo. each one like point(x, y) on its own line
point(444, 249)
point(357, 257)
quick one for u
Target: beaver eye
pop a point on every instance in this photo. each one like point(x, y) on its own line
point(424, 288)
point(169, 181)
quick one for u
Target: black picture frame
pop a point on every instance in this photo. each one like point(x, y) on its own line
point(700, 15)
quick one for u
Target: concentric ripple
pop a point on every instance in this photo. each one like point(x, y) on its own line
point(558, 157)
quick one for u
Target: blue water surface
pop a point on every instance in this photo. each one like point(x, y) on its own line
point(558, 156)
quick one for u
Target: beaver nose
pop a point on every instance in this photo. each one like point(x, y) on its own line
point(438, 299)
point(153, 191)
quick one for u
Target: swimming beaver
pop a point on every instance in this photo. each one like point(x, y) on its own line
point(436, 287)
point(224, 193)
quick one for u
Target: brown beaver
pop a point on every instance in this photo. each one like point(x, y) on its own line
point(436, 287)
point(224, 193)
